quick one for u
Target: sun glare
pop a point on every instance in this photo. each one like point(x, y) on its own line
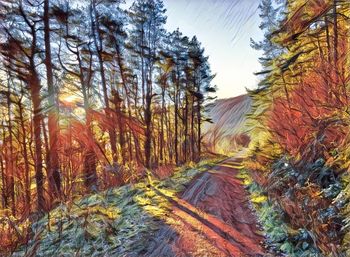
point(69, 98)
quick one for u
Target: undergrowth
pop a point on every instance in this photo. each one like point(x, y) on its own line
point(279, 235)
point(116, 222)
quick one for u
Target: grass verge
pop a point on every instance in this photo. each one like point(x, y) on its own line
point(116, 222)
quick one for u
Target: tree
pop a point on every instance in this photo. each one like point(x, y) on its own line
point(77, 44)
point(20, 54)
point(53, 169)
point(202, 79)
point(147, 18)
point(90, 95)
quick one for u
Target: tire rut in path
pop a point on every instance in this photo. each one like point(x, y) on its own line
point(210, 218)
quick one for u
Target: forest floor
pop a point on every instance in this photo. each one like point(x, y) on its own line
point(212, 217)
point(200, 211)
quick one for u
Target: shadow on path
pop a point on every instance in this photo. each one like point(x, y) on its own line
point(212, 213)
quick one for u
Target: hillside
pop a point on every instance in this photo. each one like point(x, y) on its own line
point(228, 130)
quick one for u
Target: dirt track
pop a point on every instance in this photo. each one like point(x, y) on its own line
point(211, 218)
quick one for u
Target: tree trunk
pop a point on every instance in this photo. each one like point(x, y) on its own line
point(36, 100)
point(335, 29)
point(176, 110)
point(192, 131)
point(25, 156)
point(119, 112)
point(98, 46)
point(4, 201)
point(199, 121)
point(117, 103)
point(90, 159)
point(11, 182)
point(169, 137)
point(185, 124)
point(161, 141)
point(148, 131)
point(328, 40)
point(54, 178)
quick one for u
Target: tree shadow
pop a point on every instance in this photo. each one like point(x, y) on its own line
point(229, 240)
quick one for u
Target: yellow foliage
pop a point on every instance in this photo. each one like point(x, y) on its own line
point(258, 198)
point(247, 180)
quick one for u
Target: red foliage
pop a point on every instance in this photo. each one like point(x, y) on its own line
point(314, 118)
point(164, 171)
point(108, 121)
point(298, 21)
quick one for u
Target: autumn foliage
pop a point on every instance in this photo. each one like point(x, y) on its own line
point(302, 109)
point(315, 118)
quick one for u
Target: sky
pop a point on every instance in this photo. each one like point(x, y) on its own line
point(224, 27)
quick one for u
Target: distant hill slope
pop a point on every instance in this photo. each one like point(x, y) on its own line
point(228, 130)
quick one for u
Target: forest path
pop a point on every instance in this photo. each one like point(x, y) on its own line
point(210, 218)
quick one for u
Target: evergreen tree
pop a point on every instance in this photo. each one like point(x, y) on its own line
point(147, 19)
point(271, 14)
